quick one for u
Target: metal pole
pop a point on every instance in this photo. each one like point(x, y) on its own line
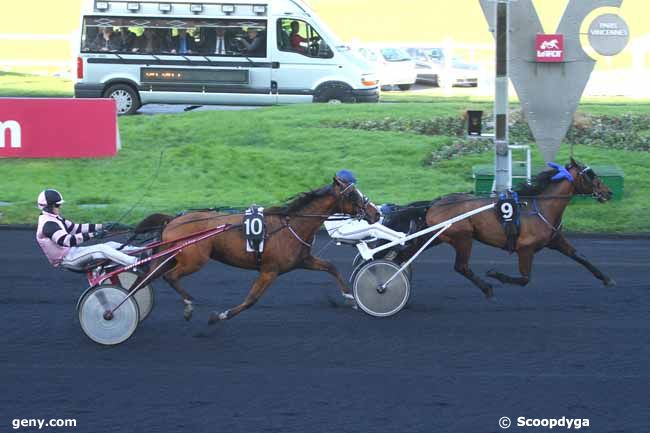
point(502, 175)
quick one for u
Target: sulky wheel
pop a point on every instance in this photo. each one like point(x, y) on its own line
point(358, 262)
point(144, 296)
point(97, 322)
point(370, 294)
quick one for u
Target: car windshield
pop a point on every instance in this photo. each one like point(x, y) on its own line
point(395, 55)
point(368, 54)
point(435, 54)
point(459, 63)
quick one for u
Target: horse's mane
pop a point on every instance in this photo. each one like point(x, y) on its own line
point(298, 202)
point(537, 185)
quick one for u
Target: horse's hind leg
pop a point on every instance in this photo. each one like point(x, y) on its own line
point(173, 279)
point(562, 245)
point(463, 247)
point(257, 290)
point(525, 267)
point(317, 264)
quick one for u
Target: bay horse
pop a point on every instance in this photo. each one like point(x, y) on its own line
point(290, 229)
point(545, 201)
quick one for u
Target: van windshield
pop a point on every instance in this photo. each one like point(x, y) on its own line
point(141, 35)
point(395, 55)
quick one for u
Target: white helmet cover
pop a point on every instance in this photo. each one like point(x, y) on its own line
point(49, 197)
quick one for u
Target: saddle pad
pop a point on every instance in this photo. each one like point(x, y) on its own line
point(254, 228)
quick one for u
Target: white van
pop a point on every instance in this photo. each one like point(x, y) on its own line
point(199, 52)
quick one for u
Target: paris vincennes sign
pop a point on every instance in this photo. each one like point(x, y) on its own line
point(549, 48)
point(58, 128)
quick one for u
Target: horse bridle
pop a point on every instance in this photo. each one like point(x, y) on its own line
point(587, 174)
point(349, 189)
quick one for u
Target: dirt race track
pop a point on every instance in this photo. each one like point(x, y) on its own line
point(299, 361)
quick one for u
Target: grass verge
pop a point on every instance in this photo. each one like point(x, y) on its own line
point(175, 162)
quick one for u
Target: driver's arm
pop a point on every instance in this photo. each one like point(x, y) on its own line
point(62, 238)
point(81, 228)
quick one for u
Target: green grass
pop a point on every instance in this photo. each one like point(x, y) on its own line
point(223, 158)
point(22, 85)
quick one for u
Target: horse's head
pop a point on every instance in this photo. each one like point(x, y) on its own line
point(352, 201)
point(587, 182)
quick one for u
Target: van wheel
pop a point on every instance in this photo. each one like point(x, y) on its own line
point(334, 93)
point(126, 99)
point(405, 86)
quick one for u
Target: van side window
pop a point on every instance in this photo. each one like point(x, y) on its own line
point(123, 35)
point(297, 36)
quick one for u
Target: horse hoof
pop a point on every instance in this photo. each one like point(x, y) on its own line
point(187, 313)
point(350, 302)
point(214, 318)
point(491, 273)
point(610, 282)
point(488, 292)
point(348, 296)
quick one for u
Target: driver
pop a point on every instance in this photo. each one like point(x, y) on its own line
point(60, 238)
point(295, 39)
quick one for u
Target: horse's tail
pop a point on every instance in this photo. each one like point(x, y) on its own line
point(154, 223)
point(149, 229)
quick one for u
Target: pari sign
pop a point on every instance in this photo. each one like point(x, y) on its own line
point(549, 48)
point(58, 128)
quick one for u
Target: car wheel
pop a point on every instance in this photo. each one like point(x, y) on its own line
point(334, 93)
point(126, 98)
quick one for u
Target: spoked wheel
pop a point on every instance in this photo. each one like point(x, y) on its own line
point(373, 295)
point(358, 262)
point(144, 296)
point(99, 324)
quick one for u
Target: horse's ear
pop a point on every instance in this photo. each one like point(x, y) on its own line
point(574, 163)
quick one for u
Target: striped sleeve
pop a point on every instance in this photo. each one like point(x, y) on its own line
point(81, 228)
point(61, 237)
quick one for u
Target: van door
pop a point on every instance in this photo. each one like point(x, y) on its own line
point(304, 58)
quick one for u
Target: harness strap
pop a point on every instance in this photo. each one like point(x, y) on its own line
point(538, 212)
point(298, 237)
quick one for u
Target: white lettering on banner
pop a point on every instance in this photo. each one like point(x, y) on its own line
point(549, 53)
point(15, 134)
point(609, 32)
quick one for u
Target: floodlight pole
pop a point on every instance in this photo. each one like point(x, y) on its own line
point(502, 175)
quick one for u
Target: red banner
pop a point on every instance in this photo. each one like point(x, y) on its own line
point(549, 48)
point(58, 128)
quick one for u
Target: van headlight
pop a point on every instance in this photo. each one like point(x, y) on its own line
point(369, 80)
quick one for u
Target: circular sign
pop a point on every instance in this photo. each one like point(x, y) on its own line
point(609, 34)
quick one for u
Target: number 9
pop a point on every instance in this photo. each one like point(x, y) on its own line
point(507, 210)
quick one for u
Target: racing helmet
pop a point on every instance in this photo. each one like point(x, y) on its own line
point(49, 198)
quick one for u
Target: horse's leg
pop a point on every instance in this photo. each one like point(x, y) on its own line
point(463, 247)
point(317, 264)
point(525, 267)
point(562, 245)
point(173, 275)
point(173, 279)
point(257, 290)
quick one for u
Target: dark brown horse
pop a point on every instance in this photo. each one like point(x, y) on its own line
point(541, 219)
point(290, 233)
